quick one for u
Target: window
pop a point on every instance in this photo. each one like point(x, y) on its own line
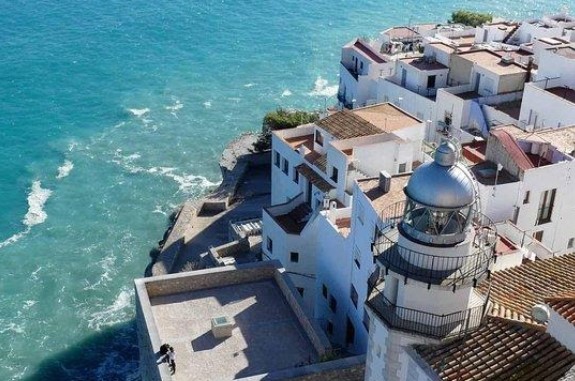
point(332, 303)
point(360, 213)
point(270, 245)
point(402, 167)
point(361, 65)
point(300, 290)
point(324, 290)
point(546, 202)
point(538, 235)
point(285, 168)
point(366, 320)
point(356, 257)
point(349, 332)
point(277, 159)
point(570, 243)
point(294, 257)
point(295, 176)
point(431, 81)
point(329, 327)
point(334, 174)
point(526, 197)
point(353, 295)
point(448, 118)
point(318, 138)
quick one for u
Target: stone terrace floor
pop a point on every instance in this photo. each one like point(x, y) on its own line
point(267, 336)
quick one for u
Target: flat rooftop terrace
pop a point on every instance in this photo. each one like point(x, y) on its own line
point(267, 336)
point(271, 332)
point(379, 199)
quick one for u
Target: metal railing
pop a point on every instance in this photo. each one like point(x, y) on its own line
point(446, 270)
point(425, 323)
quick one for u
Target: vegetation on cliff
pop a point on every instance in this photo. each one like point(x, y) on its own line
point(470, 18)
point(281, 119)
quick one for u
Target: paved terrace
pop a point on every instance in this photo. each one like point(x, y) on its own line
point(271, 331)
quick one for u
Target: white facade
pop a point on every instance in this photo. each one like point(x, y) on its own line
point(561, 329)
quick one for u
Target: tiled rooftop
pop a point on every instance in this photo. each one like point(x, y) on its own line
point(564, 305)
point(346, 124)
point(401, 32)
point(380, 200)
point(298, 141)
point(344, 226)
point(424, 65)
point(361, 46)
point(567, 51)
point(386, 117)
point(294, 221)
point(513, 149)
point(321, 184)
point(516, 290)
point(492, 62)
point(500, 350)
point(562, 138)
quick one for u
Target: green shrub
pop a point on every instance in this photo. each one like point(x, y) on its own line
point(281, 119)
point(470, 18)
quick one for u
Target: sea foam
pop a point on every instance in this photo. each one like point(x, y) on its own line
point(321, 89)
point(139, 112)
point(65, 169)
point(36, 200)
point(286, 93)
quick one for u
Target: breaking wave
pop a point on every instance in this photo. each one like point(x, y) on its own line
point(65, 169)
point(286, 93)
point(139, 112)
point(321, 89)
point(35, 215)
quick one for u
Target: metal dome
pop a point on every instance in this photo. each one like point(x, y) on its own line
point(442, 183)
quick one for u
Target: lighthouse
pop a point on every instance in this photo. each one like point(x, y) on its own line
point(432, 250)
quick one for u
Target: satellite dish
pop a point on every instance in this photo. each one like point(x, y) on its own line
point(540, 313)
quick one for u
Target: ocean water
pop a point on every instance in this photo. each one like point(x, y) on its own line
point(114, 112)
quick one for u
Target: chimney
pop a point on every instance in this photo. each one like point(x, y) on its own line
point(384, 181)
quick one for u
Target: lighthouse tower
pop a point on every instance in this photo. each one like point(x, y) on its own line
point(432, 251)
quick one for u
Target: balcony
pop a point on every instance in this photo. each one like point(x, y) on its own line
point(444, 270)
point(424, 323)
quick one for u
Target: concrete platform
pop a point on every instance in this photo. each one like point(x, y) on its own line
point(267, 337)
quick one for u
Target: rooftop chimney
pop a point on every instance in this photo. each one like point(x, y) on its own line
point(384, 181)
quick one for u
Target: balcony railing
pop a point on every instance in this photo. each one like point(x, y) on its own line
point(424, 323)
point(445, 270)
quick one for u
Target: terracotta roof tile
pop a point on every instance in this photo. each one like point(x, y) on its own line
point(515, 291)
point(321, 184)
point(564, 305)
point(513, 149)
point(345, 125)
point(360, 45)
point(500, 349)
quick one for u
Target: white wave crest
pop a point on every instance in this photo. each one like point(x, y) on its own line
point(139, 112)
point(321, 88)
point(248, 85)
point(13, 239)
point(65, 169)
point(286, 93)
point(207, 104)
point(119, 311)
point(175, 107)
point(36, 200)
point(189, 182)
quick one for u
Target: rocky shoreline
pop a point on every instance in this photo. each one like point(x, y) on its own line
point(177, 251)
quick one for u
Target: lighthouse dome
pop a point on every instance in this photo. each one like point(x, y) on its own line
point(442, 183)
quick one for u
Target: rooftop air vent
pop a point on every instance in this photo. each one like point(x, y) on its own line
point(540, 313)
point(507, 60)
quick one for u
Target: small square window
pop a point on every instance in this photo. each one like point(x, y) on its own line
point(334, 174)
point(324, 290)
point(270, 245)
point(294, 257)
point(319, 138)
point(277, 159)
point(332, 303)
point(295, 176)
point(538, 235)
point(353, 295)
point(285, 168)
point(329, 328)
point(300, 290)
point(402, 167)
point(526, 198)
point(570, 243)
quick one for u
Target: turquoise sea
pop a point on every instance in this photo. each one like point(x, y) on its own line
point(114, 112)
